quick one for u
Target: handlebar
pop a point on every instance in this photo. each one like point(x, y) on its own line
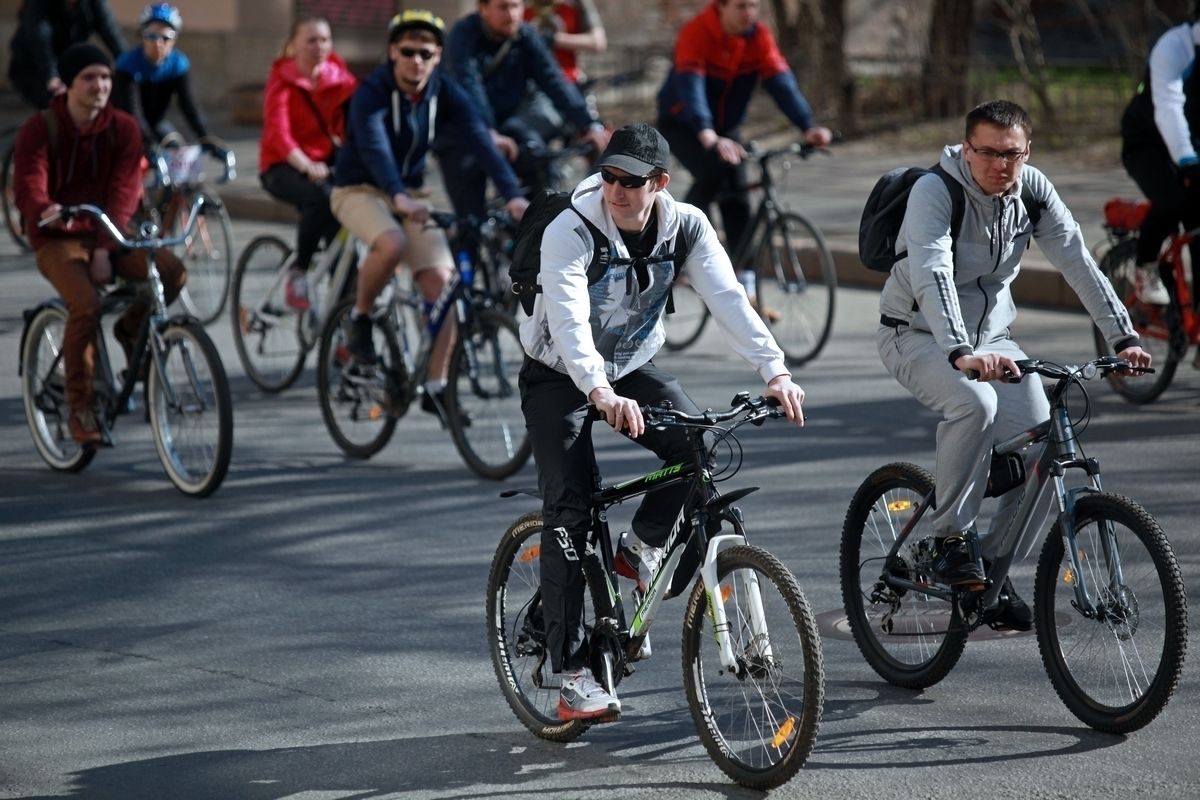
point(1096, 368)
point(755, 410)
point(172, 146)
point(146, 240)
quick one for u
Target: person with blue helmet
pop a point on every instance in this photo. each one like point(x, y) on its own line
point(149, 76)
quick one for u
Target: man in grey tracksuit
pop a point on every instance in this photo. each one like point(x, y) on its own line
point(945, 316)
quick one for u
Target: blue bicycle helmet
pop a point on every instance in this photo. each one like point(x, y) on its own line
point(165, 13)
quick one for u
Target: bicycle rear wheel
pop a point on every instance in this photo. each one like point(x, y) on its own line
point(1115, 671)
point(191, 412)
point(264, 327)
point(517, 637)
point(911, 639)
point(483, 403)
point(684, 327)
point(759, 723)
point(12, 214)
point(797, 287)
point(1159, 328)
point(208, 257)
point(356, 403)
point(43, 390)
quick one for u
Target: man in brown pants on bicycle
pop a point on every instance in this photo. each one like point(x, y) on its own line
point(81, 150)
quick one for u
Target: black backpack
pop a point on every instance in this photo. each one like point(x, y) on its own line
point(527, 249)
point(885, 207)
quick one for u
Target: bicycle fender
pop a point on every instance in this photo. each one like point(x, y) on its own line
point(715, 506)
point(28, 315)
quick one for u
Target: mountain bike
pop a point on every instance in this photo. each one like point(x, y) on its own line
point(752, 663)
point(1109, 602)
point(362, 403)
point(176, 177)
point(1167, 331)
point(186, 393)
point(272, 339)
point(796, 283)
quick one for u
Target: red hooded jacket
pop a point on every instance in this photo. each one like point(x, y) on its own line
point(289, 117)
point(92, 165)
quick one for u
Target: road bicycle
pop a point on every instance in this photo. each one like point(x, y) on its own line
point(175, 178)
point(1167, 331)
point(186, 394)
point(752, 663)
point(796, 283)
point(1109, 602)
point(272, 339)
point(362, 403)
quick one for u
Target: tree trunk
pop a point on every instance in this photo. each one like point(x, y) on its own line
point(811, 34)
point(944, 75)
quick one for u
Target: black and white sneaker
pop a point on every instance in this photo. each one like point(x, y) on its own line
point(955, 565)
point(581, 697)
point(361, 340)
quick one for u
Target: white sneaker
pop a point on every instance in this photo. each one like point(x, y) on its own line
point(1150, 286)
point(637, 560)
point(581, 697)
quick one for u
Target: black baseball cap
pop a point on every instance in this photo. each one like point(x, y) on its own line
point(639, 149)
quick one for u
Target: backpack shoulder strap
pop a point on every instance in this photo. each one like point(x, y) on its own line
point(958, 205)
point(1033, 206)
point(51, 146)
point(602, 250)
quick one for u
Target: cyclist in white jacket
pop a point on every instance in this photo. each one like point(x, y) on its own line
point(593, 344)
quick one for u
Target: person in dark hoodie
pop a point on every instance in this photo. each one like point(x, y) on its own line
point(82, 150)
point(380, 172)
point(45, 28)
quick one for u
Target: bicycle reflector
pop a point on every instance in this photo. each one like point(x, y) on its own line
point(784, 733)
point(532, 553)
point(900, 505)
point(1069, 576)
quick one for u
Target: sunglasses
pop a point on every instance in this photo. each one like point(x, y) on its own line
point(627, 182)
point(166, 36)
point(421, 53)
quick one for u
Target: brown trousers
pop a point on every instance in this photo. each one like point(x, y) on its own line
point(66, 264)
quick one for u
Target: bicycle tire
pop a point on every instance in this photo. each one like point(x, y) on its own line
point(516, 642)
point(43, 392)
point(483, 402)
point(194, 452)
point(918, 641)
point(796, 287)
point(265, 329)
point(760, 723)
point(355, 415)
point(1115, 673)
point(208, 258)
point(686, 324)
point(1159, 328)
point(12, 214)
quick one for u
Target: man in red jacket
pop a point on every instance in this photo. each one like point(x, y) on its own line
point(81, 150)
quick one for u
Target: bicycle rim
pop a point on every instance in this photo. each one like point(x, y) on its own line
point(684, 327)
point(208, 257)
point(1158, 328)
point(516, 635)
point(485, 413)
point(43, 390)
point(910, 639)
point(760, 723)
point(191, 413)
point(1117, 671)
point(797, 287)
point(264, 327)
point(355, 400)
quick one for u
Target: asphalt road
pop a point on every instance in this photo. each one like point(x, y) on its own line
point(315, 629)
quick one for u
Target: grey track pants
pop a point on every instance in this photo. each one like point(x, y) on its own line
point(975, 416)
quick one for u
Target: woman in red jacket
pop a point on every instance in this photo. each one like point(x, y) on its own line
point(303, 125)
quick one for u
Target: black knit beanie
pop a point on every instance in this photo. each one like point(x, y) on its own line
point(78, 57)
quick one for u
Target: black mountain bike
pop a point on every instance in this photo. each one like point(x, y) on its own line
point(752, 665)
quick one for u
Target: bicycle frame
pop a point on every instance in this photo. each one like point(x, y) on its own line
point(1188, 318)
point(768, 210)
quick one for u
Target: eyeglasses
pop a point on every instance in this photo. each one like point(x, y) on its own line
point(627, 182)
point(412, 52)
point(1008, 157)
point(165, 36)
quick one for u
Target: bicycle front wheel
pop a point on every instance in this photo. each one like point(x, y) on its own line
point(264, 327)
point(685, 325)
point(191, 412)
point(1116, 669)
point(12, 215)
point(1158, 327)
point(911, 639)
point(355, 400)
point(483, 402)
point(208, 257)
point(797, 287)
point(43, 390)
point(517, 636)
point(758, 722)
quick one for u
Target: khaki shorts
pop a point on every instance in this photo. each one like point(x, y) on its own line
point(367, 213)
